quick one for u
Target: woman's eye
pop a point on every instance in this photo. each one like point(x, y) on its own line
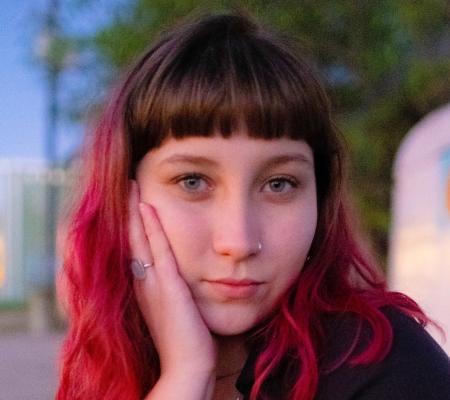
point(193, 183)
point(280, 185)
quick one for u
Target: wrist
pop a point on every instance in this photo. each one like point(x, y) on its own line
point(189, 368)
point(188, 374)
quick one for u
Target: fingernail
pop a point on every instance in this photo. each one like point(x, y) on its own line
point(143, 207)
point(147, 208)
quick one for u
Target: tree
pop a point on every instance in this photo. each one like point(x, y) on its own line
point(386, 64)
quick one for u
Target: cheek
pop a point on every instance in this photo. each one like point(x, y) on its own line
point(293, 228)
point(180, 220)
point(290, 239)
point(187, 232)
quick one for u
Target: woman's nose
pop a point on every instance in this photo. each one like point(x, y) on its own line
point(236, 232)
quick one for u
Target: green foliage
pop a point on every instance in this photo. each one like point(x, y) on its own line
point(386, 64)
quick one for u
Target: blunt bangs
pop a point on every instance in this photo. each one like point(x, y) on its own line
point(218, 77)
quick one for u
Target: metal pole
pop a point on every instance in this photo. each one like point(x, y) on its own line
point(51, 138)
point(42, 299)
point(53, 71)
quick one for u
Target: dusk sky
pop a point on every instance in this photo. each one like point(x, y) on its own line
point(23, 96)
point(21, 101)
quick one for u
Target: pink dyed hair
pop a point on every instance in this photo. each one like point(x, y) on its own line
point(206, 76)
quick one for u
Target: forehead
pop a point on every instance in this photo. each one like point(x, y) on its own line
point(239, 148)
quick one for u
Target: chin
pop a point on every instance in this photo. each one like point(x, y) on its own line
point(228, 330)
point(229, 322)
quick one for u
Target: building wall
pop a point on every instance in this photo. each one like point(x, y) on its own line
point(419, 259)
point(24, 262)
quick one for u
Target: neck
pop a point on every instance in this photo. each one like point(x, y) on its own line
point(232, 354)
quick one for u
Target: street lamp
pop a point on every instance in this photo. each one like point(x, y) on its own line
point(54, 53)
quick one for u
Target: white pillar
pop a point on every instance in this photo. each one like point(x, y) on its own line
point(419, 256)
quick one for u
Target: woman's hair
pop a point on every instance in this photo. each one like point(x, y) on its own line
point(212, 76)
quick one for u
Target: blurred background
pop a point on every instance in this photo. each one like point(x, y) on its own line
point(386, 66)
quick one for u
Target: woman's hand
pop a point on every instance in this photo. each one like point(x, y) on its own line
point(183, 341)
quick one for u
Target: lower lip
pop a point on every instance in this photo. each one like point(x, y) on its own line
point(234, 291)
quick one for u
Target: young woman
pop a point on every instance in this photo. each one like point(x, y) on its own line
point(211, 254)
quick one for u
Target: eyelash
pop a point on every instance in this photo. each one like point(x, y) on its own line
point(281, 178)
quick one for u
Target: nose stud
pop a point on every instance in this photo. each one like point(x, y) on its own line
point(259, 246)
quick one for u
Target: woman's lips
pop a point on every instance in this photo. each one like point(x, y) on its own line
point(234, 288)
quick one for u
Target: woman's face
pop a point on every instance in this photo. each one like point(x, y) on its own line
point(240, 215)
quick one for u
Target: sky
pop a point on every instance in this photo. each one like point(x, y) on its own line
point(22, 83)
point(21, 101)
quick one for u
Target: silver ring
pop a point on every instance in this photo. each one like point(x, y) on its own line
point(138, 268)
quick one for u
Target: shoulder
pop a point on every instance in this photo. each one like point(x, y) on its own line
point(415, 368)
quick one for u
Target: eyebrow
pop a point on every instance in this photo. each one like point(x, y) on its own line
point(288, 158)
point(188, 158)
point(272, 162)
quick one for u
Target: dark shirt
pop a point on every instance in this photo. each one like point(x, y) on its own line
point(416, 368)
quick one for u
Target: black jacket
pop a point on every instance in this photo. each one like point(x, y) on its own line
point(416, 368)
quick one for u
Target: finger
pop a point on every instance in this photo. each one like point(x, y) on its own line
point(139, 246)
point(159, 244)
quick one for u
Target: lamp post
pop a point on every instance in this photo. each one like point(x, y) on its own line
point(51, 54)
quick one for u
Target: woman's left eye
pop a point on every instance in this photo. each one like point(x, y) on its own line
point(193, 183)
point(280, 185)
